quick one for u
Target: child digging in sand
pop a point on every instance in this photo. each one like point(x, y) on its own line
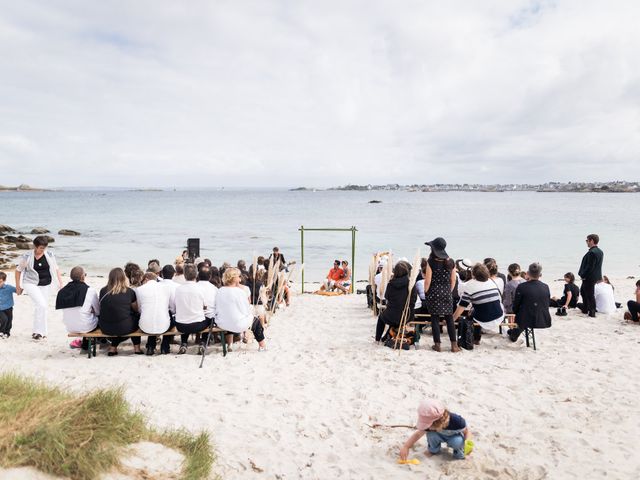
point(441, 426)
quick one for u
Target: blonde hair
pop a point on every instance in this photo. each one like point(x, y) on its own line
point(228, 276)
point(441, 423)
point(118, 282)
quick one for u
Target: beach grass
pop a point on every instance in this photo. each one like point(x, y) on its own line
point(81, 436)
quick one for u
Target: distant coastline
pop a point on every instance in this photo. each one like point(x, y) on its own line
point(617, 186)
point(23, 188)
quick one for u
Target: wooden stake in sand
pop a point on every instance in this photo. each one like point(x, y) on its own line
point(373, 267)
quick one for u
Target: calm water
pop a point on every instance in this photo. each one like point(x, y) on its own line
point(512, 226)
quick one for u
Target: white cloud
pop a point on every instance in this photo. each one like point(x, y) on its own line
point(318, 93)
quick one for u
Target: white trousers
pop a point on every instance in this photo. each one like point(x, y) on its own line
point(40, 298)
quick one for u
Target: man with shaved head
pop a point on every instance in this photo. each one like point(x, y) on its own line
point(80, 306)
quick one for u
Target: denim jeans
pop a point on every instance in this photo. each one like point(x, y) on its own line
point(455, 441)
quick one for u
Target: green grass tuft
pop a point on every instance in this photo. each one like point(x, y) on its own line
point(81, 436)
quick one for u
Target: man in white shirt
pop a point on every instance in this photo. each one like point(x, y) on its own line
point(155, 303)
point(80, 306)
point(190, 308)
point(209, 291)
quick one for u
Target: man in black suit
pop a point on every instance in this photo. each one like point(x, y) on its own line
point(531, 303)
point(590, 272)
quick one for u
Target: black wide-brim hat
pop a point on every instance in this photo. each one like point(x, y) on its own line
point(438, 246)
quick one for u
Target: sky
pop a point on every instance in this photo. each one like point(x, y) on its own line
point(291, 93)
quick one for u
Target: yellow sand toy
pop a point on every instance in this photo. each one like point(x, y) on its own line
point(413, 461)
point(468, 447)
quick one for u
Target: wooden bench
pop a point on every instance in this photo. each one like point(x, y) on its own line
point(97, 333)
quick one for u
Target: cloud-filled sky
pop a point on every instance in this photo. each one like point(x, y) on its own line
point(289, 93)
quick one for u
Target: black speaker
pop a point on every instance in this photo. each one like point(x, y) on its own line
point(193, 247)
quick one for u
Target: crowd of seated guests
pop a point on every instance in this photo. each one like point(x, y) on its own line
point(448, 290)
point(192, 297)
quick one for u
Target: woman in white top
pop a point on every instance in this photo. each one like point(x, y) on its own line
point(605, 301)
point(233, 310)
point(35, 272)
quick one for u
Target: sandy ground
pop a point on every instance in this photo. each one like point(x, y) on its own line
point(302, 408)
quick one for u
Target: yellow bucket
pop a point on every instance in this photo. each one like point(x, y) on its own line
point(468, 446)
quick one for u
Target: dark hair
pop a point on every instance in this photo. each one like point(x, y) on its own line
point(637, 283)
point(336, 261)
point(480, 272)
point(76, 274)
point(491, 265)
point(190, 272)
point(570, 276)
point(134, 273)
point(154, 268)
point(594, 238)
point(242, 265)
point(204, 274)
point(208, 262)
point(423, 265)
point(179, 269)
point(449, 264)
point(40, 241)
point(401, 269)
point(153, 260)
point(276, 249)
point(3, 276)
point(605, 279)
point(514, 270)
point(345, 262)
point(168, 272)
point(534, 270)
point(215, 277)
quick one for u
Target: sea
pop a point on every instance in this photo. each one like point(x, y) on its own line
point(119, 226)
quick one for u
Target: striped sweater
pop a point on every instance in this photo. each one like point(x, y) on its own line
point(485, 299)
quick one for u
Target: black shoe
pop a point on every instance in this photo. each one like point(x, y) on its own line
point(592, 314)
point(150, 351)
point(512, 335)
point(183, 349)
point(112, 354)
point(561, 312)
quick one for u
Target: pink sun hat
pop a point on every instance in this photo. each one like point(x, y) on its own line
point(428, 412)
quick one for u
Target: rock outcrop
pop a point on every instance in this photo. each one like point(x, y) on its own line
point(39, 231)
point(71, 233)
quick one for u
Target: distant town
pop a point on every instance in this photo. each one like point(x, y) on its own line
point(602, 187)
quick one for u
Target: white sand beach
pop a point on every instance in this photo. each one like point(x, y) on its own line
point(302, 408)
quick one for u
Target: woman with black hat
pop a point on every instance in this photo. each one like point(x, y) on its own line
point(439, 282)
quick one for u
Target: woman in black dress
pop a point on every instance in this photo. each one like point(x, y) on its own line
point(117, 311)
point(439, 282)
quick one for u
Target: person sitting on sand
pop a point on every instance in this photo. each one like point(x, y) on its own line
point(441, 426)
point(333, 277)
point(396, 295)
point(118, 311)
point(605, 301)
point(80, 306)
point(484, 296)
point(155, 304)
point(531, 303)
point(634, 306)
point(510, 288)
point(233, 310)
point(190, 308)
point(569, 298)
point(344, 284)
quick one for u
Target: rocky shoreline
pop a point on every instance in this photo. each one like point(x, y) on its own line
point(12, 242)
